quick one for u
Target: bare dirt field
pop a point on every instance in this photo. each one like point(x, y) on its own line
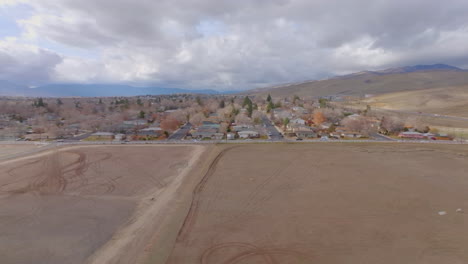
point(62, 206)
point(7, 150)
point(328, 203)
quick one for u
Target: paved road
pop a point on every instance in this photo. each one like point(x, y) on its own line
point(181, 133)
point(380, 137)
point(78, 138)
point(274, 134)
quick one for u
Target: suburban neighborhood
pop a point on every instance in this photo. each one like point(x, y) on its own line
point(200, 118)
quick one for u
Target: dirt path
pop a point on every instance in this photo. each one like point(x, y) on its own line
point(88, 203)
point(191, 216)
point(129, 243)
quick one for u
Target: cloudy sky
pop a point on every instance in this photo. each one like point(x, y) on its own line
point(225, 45)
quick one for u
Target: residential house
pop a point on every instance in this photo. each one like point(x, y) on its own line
point(103, 135)
point(209, 124)
point(326, 125)
point(248, 134)
point(300, 110)
point(298, 121)
point(306, 134)
point(119, 137)
point(411, 135)
point(150, 132)
point(282, 114)
point(129, 126)
point(206, 132)
point(417, 135)
point(341, 132)
point(238, 128)
point(231, 136)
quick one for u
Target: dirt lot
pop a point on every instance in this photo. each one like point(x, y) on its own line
point(61, 206)
point(329, 203)
point(7, 150)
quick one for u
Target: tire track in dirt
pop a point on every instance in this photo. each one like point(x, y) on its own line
point(193, 211)
point(12, 174)
point(49, 180)
point(208, 252)
point(82, 165)
point(53, 177)
point(266, 254)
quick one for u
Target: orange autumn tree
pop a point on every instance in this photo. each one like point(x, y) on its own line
point(169, 124)
point(319, 117)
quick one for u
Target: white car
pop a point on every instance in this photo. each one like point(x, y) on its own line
point(324, 138)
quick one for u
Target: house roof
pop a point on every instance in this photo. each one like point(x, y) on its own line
point(151, 129)
point(247, 132)
point(102, 134)
point(305, 132)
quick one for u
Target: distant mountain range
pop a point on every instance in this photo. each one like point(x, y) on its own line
point(366, 82)
point(407, 78)
point(406, 69)
point(92, 90)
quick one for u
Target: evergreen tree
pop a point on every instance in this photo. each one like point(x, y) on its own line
point(141, 114)
point(250, 109)
point(269, 98)
point(199, 101)
point(270, 106)
point(246, 101)
point(39, 103)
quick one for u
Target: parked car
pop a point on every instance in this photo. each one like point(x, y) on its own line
point(298, 139)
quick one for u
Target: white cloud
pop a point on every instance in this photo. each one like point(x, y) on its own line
point(236, 44)
point(26, 64)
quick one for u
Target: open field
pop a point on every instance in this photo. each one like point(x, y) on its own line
point(452, 101)
point(61, 206)
point(363, 83)
point(7, 150)
point(328, 203)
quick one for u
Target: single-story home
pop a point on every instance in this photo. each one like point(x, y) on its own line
point(238, 128)
point(206, 132)
point(417, 135)
point(209, 124)
point(248, 134)
point(298, 121)
point(306, 134)
point(103, 135)
point(150, 131)
point(411, 135)
point(119, 137)
point(231, 136)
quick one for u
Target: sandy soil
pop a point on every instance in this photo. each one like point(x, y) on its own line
point(62, 206)
point(329, 203)
point(7, 150)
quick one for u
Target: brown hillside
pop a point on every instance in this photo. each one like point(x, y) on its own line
point(445, 101)
point(370, 83)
